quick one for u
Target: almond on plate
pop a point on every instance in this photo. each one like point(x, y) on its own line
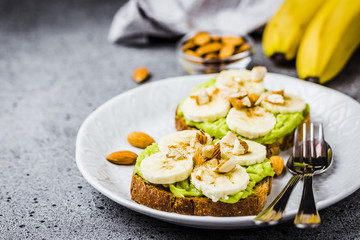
point(122, 157)
point(277, 163)
point(140, 139)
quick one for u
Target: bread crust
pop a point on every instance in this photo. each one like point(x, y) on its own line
point(272, 149)
point(160, 198)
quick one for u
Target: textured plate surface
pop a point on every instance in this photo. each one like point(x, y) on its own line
point(151, 108)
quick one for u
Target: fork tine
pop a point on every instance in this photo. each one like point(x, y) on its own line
point(312, 143)
point(322, 145)
point(321, 133)
point(296, 143)
point(304, 142)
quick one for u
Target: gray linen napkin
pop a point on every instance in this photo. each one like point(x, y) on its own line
point(137, 20)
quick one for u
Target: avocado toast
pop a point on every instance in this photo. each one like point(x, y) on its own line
point(237, 101)
point(188, 172)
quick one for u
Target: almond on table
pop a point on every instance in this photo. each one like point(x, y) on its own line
point(140, 74)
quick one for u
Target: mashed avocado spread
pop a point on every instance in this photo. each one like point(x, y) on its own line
point(285, 122)
point(257, 172)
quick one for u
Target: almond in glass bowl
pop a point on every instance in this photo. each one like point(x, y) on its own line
point(211, 52)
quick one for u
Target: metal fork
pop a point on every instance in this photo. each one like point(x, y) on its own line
point(301, 164)
point(273, 213)
point(313, 155)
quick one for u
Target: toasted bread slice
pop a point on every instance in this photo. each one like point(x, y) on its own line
point(160, 198)
point(272, 149)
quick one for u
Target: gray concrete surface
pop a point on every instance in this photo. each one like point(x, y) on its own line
point(56, 67)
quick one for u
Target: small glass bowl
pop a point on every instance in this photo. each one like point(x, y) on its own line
point(200, 65)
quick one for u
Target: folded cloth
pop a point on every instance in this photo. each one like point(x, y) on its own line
point(138, 20)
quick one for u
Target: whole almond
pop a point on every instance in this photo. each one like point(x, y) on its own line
point(201, 38)
point(226, 51)
point(122, 157)
point(140, 74)
point(208, 48)
point(191, 53)
point(140, 139)
point(243, 47)
point(211, 56)
point(188, 45)
point(235, 41)
point(216, 38)
point(277, 163)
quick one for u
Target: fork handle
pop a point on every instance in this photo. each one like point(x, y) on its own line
point(273, 213)
point(307, 215)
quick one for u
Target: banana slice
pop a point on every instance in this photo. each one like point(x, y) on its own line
point(185, 141)
point(219, 185)
point(159, 168)
point(251, 122)
point(291, 103)
point(255, 153)
point(217, 107)
point(234, 81)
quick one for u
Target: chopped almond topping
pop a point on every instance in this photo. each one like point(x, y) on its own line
point(260, 99)
point(216, 153)
point(212, 91)
point(207, 151)
point(236, 103)
point(202, 97)
point(240, 147)
point(253, 98)
point(258, 73)
point(275, 99)
point(201, 137)
point(281, 92)
point(229, 138)
point(225, 166)
point(240, 100)
point(246, 102)
point(198, 158)
point(239, 95)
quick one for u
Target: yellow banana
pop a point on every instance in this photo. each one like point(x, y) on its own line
point(329, 41)
point(283, 32)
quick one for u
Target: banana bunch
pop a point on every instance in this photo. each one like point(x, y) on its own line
point(323, 35)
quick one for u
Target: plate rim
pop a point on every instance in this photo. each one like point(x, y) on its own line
point(175, 217)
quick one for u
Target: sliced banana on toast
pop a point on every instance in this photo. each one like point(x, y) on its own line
point(215, 184)
point(251, 122)
point(187, 141)
point(207, 104)
point(234, 81)
point(162, 168)
point(244, 152)
point(278, 102)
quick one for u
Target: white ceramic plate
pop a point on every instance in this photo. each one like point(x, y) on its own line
point(151, 108)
